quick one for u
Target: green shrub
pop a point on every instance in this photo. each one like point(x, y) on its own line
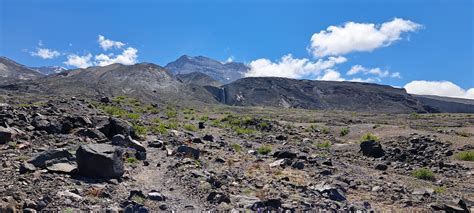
point(204, 118)
point(140, 130)
point(264, 149)
point(344, 131)
point(424, 174)
point(171, 114)
point(325, 130)
point(172, 125)
point(159, 128)
point(134, 116)
point(324, 145)
point(440, 190)
point(114, 111)
point(190, 127)
point(243, 131)
point(131, 160)
point(369, 137)
point(263, 125)
point(119, 99)
point(414, 115)
point(236, 147)
point(465, 156)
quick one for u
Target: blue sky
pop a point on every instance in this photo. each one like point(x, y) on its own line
point(438, 48)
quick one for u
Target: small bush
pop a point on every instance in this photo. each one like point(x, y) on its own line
point(369, 137)
point(414, 115)
point(159, 128)
point(424, 174)
point(131, 160)
point(114, 111)
point(134, 116)
point(465, 156)
point(190, 127)
point(204, 118)
point(140, 130)
point(264, 149)
point(440, 190)
point(344, 131)
point(236, 147)
point(324, 145)
point(171, 114)
point(243, 131)
point(325, 130)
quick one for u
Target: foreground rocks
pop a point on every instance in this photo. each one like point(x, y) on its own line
point(67, 155)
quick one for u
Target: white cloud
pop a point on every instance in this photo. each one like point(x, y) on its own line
point(367, 80)
point(128, 56)
point(331, 75)
point(359, 37)
point(45, 53)
point(106, 44)
point(79, 61)
point(356, 69)
point(290, 67)
point(439, 88)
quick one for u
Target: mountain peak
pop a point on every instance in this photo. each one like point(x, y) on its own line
point(222, 72)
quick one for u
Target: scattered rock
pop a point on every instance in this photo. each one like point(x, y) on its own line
point(188, 151)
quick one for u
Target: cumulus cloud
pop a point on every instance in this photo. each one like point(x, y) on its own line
point(331, 75)
point(45, 53)
point(79, 61)
point(128, 56)
point(290, 67)
point(359, 37)
point(439, 88)
point(106, 44)
point(356, 69)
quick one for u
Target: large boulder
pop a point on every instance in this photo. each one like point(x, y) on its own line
point(99, 161)
point(372, 148)
point(114, 126)
point(6, 135)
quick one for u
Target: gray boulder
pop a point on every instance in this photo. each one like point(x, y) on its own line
point(6, 135)
point(99, 161)
point(372, 148)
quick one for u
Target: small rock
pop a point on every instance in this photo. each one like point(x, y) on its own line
point(156, 196)
point(188, 151)
point(372, 149)
point(99, 161)
point(381, 166)
point(208, 138)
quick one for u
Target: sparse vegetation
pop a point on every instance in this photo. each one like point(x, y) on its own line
point(344, 131)
point(236, 147)
point(414, 116)
point(440, 190)
point(131, 160)
point(465, 155)
point(140, 130)
point(324, 145)
point(369, 137)
point(171, 114)
point(264, 149)
point(190, 127)
point(424, 174)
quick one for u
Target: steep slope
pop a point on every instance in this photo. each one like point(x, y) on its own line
point(145, 81)
point(198, 78)
point(446, 104)
point(222, 72)
point(48, 70)
point(291, 93)
point(11, 71)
